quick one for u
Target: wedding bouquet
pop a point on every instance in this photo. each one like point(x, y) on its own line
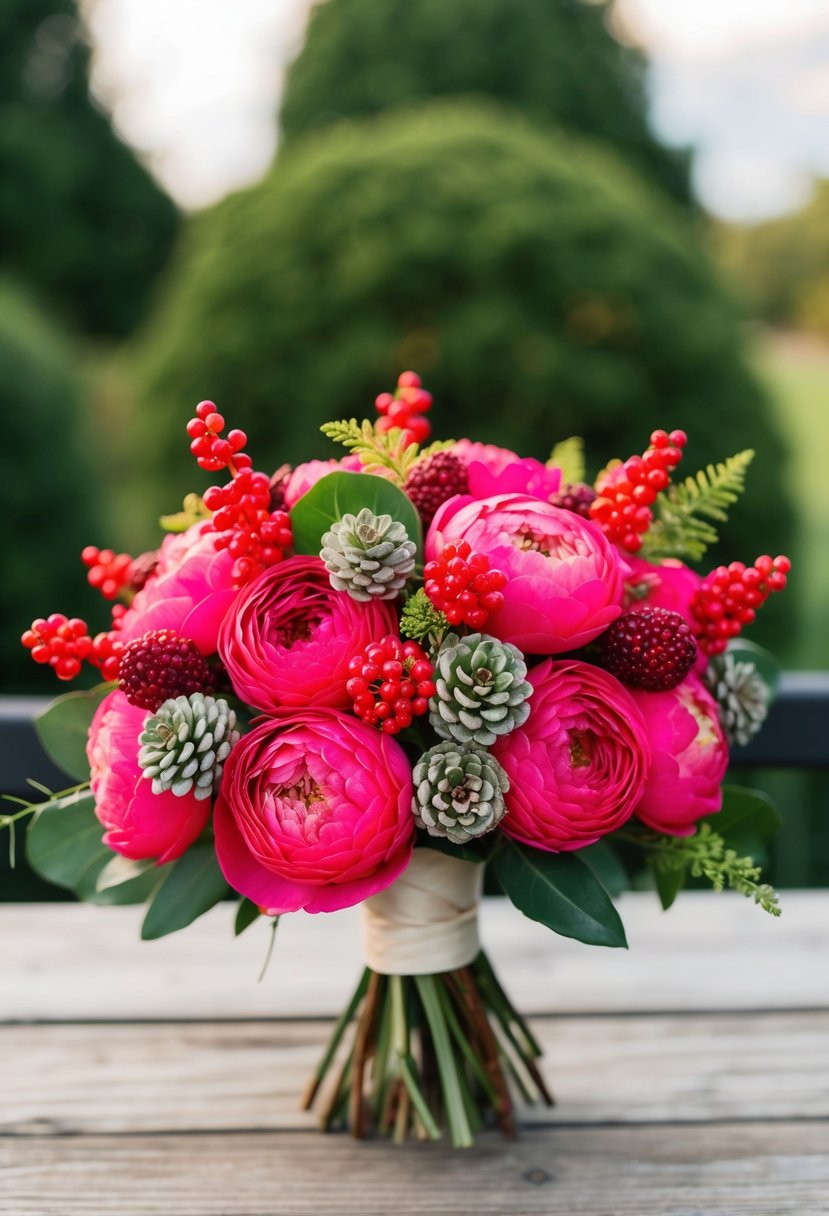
point(370, 679)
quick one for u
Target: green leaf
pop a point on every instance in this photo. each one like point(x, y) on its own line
point(561, 892)
point(123, 881)
point(669, 883)
point(604, 861)
point(246, 914)
point(193, 512)
point(340, 494)
point(64, 843)
point(745, 811)
point(466, 852)
point(63, 726)
point(568, 455)
point(193, 885)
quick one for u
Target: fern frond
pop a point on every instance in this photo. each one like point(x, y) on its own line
point(682, 527)
point(568, 455)
point(387, 453)
point(421, 620)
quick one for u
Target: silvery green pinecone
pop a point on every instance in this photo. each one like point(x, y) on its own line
point(459, 792)
point(481, 689)
point(742, 696)
point(185, 743)
point(369, 556)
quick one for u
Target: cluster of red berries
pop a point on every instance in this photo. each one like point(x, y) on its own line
point(64, 643)
point(255, 536)
point(433, 480)
point(160, 665)
point(391, 683)
point(729, 597)
point(210, 450)
point(109, 572)
point(650, 648)
point(404, 408)
point(462, 586)
point(624, 494)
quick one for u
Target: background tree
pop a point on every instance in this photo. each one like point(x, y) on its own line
point(557, 61)
point(82, 223)
point(540, 289)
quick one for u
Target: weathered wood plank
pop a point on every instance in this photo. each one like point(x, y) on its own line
point(202, 1077)
point(709, 952)
point(717, 1170)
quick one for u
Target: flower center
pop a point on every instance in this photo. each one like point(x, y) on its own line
point(298, 629)
point(304, 809)
point(706, 734)
point(557, 546)
point(581, 748)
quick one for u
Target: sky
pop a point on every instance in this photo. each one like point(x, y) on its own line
point(194, 85)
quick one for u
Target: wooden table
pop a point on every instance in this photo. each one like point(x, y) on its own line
point(691, 1072)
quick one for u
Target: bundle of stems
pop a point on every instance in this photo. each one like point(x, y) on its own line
point(428, 1052)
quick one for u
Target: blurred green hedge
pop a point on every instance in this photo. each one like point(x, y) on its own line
point(49, 484)
point(558, 61)
point(540, 289)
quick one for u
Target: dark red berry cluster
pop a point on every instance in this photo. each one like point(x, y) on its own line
point(109, 572)
point(159, 665)
point(434, 480)
point(255, 536)
point(64, 643)
point(211, 451)
point(729, 597)
point(391, 683)
point(576, 497)
point(650, 648)
point(624, 493)
point(404, 408)
point(462, 586)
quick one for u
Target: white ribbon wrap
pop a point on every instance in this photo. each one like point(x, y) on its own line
point(426, 921)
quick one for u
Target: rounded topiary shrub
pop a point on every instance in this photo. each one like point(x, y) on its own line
point(558, 61)
point(48, 488)
point(539, 288)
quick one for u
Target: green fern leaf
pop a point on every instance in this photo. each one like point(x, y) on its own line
point(682, 527)
point(568, 455)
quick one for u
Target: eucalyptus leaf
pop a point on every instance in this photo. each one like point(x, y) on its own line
point(64, 843)
point(339, 494)
point(193, 885)
point(745, 812)
point(123, 881)
point(561, 892)
point(63, 727)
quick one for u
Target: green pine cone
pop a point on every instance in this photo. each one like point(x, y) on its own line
point(369, 556)
point(185, 743)
point(459, 792)
point(742, 697)
point(481, 688)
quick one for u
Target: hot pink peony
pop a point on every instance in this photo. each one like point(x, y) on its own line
point(139, 824)
point(690, 756)
point(304, 476)
point(577, 767)
point(190, 590)
point(492, 470)
point(314, 812)
point(564, 579)
point(289, 638)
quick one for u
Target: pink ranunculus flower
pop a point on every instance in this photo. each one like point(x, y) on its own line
point(189, 591)
point(139, 824)
point(578, 765)
point(492, 470)
point(690, 756)
point(289, 638)
point(304, 476)
point(564, 579)
point(314, 812)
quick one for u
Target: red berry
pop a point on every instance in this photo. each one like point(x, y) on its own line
point(387, 682)
point(649, 648)
point(461, 585)
point(159, 665)
point(727, 599)
point(625, 492)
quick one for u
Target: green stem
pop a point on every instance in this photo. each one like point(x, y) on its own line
point(456, 1113)
point(335, 1040)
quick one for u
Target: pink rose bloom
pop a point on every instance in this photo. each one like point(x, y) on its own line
point(314, 812)
point(290, 636)
point(189, 591)
point(493, 470)
point(564, 578)
point(690, 756)
point(307, 475)
point(671, 585)
point(139, 824)
point(577, 767)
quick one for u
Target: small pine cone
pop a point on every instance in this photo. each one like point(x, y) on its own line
point(481, 690)
point(649, 648)
point(160, 665)
point(434, 480)
point(459, 792)
point(184, 745)
point(742, 697)
point(576, 497)
point(369, 556)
